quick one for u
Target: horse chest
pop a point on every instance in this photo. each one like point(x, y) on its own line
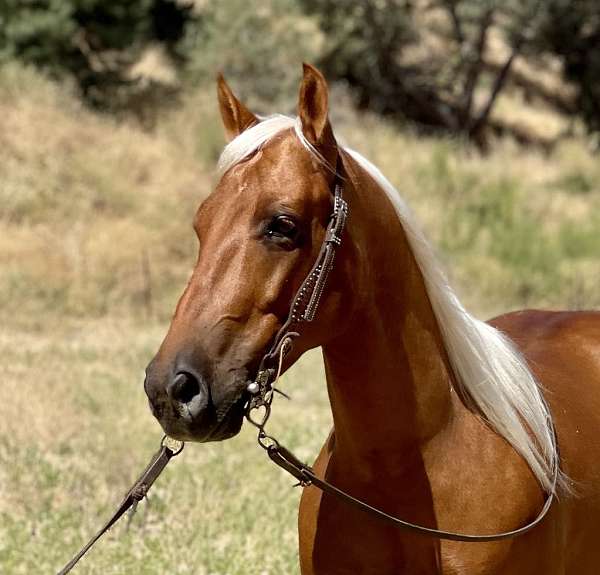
point(336, 539)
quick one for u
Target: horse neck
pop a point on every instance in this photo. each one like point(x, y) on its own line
point(388, 375)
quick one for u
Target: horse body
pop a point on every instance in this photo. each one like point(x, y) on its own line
point(404, 441)
point(409, 437)
point(469, 480)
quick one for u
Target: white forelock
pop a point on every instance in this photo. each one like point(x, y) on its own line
point(250, 140)
point(486, 364)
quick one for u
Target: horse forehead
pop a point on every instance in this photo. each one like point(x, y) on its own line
point(295, 173)
point(286, 151)
point(282, 171)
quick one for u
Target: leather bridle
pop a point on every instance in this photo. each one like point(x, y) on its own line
point(302, 310)
point(306, 301)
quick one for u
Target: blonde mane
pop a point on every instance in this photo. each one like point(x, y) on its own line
point(486, 364)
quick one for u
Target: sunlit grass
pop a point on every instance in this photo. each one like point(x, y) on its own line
point(75, 433)
point(515, 228)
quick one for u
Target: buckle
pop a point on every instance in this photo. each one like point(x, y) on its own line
point(339, 206)
point(333, 238)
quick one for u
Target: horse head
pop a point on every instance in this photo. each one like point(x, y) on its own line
point(259, 232)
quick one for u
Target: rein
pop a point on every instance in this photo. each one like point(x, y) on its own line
point(303, 309)
point(306, 476)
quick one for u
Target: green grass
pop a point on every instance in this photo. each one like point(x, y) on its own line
point(96, 245)
point(75, 433)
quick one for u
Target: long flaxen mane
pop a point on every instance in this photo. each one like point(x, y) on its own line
point(487, 366)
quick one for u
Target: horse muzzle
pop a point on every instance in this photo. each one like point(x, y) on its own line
point(189, 407)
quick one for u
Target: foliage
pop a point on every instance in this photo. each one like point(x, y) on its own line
point(442, 65)
point(260, 47)
point(94, 41)
point(404, 59)
point(365, 42)
point(571, 29)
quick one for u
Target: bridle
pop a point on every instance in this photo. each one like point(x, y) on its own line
point(305, 303)
point(258, 411)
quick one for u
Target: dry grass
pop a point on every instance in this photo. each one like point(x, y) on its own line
point(516, 228)
point(85, 201)
point(96, 244)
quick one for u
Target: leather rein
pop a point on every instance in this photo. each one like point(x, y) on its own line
point(303, 309)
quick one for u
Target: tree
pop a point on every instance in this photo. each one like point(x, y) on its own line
point(429, 62)
point(92, 40)
point(259, 46)
point(571, 29)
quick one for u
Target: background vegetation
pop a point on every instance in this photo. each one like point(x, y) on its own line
point(439, 64)
point(96, 245)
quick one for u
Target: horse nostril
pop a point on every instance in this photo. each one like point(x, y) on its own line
point(184, 387)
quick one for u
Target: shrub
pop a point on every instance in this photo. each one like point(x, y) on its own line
point(260, 48)
point(91, 40)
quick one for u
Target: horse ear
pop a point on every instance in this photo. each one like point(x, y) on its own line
point(236, 117)
point(313, 106)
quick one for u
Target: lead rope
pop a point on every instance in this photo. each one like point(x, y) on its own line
point(306, 476)
point(139, 490)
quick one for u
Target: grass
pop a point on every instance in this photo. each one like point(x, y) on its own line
point(95, 246)
point(77, 431)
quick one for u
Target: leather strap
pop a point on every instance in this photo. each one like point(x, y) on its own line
point(139, 490)
point(306, 301)
point(306, 476)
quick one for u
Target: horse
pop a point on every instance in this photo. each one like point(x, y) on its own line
point(438, 418)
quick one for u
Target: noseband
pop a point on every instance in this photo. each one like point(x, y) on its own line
point(303, 309)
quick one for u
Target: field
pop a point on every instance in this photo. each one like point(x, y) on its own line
point(95, 246)
point(76, 431)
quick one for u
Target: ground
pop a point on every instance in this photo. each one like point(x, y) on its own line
point(76, 431)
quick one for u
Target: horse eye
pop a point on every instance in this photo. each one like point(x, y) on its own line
point(282, 227)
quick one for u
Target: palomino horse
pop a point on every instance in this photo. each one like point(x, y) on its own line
point(438, 417)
